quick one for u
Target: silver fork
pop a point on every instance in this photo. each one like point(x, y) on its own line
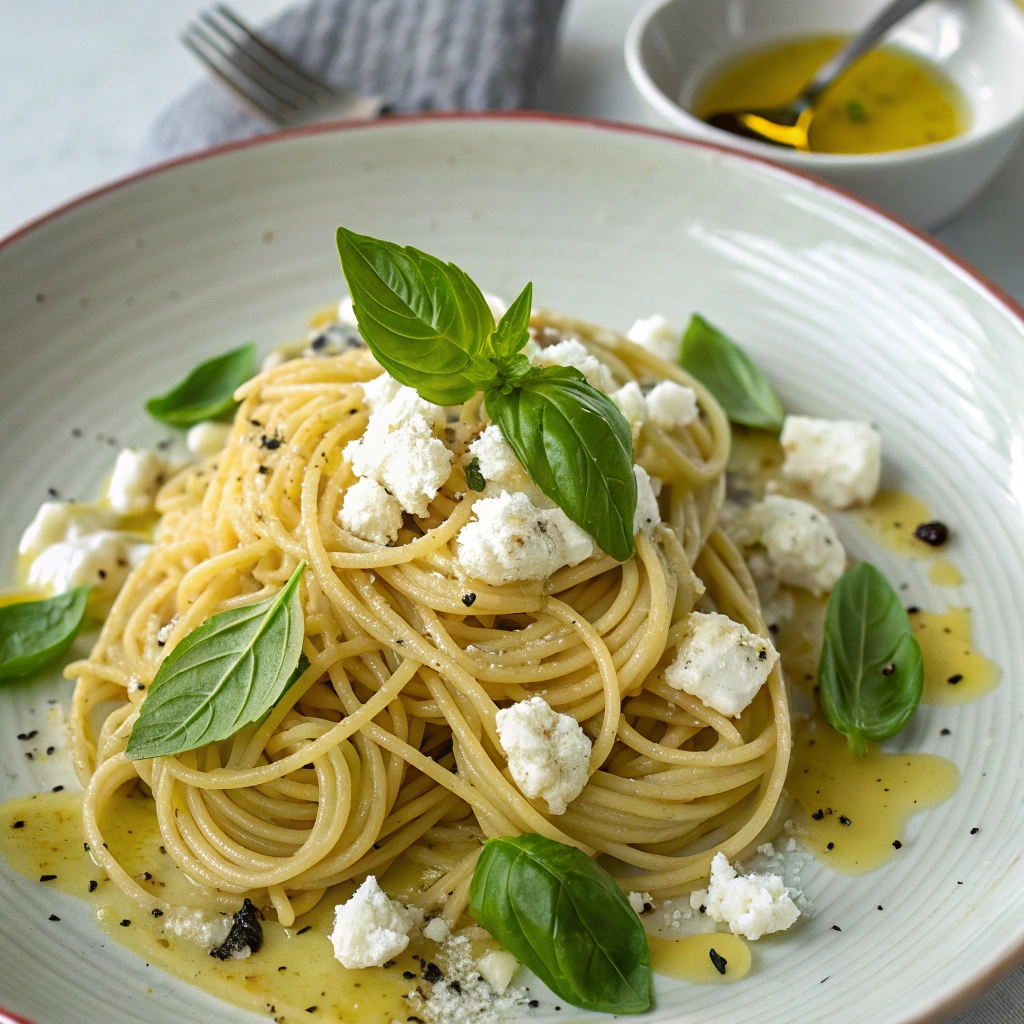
point(266, 82)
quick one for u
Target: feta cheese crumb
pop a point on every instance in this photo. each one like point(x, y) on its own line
point(497, 968)
point(379, 391)
point(369, 512)
point(60, 520)
point(839, 460)
point(656, 334)
point(103, 558)
point(207, 438)
point(510, 539)
point(436, 930)
point(721, 662)
point(205, 929)
point(501, 470)
point(573, 353)
point(800, 544)
point(751, 905)
point(347, 312)
point(671, 405)
point(640, 901)
point(632, 404)
point(138, 474)
point(647, 515)
point(370, 928)
point(548, 753)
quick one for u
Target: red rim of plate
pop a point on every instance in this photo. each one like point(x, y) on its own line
point(987, 977)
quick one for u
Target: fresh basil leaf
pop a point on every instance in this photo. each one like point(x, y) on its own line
point(513, 330)
point(577, 447)
point(425, 321)
point(474, 477)
point(226, 673)
point(33, 633)
point(871, 673)
point(727, 372)
point(564, 917)
point(208, 392)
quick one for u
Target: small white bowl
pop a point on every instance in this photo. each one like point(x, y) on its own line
point(674, 45)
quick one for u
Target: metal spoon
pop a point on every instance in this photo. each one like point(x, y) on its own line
point(790, 124)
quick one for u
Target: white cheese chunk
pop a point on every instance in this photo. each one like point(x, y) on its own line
point(721, 662)
point(60, 520)
point(103, 559)
point(501, 470)
point(436, 930)
point(657, 335)
point(633, 406)
point(369, 512)
point(347, 312)
point(639, 901)
point(751, 905)
point(138, 475)
point(510, 539)
point(205, 929)
point(548, 753)
point(648, 515)
point(800, 544)
point(573, 353)
point(379, 391)
point(839, 460)
point(208, 438)
point(497, 968)
point(671, 405)
point(370, 929)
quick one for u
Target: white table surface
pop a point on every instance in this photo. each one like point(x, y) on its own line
point(81, 81)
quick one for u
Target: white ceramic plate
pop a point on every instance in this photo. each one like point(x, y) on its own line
point(850, 314)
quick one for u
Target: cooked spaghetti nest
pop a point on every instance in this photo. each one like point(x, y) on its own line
point(387, 746)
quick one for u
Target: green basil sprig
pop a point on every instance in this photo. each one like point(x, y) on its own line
point(428, 325)
point(871, 673)
point(33, 633)
point(727, 372)
point(208, 392)
point(564, 917)
point(226, 673)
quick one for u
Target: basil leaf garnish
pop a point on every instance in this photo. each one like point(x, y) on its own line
point(208, 392)
point(727, 372)
point(425, 321)
point(871, 673)
point(33, 633)
point(578, 449)
point(564, 917)
point(226, 673)
point(513, 330)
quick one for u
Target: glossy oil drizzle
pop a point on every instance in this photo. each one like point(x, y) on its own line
point(954, 671)
point(855, 809)
point(689, 958)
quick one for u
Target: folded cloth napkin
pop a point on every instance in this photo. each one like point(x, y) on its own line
point(418, 54)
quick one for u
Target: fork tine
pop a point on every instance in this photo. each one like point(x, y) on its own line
point(285, 65)
point(260, 70)
point(251, 96)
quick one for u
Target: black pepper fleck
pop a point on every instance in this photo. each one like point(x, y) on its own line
point(302, 931)
point(468, 599)
point(18, 824)
point(27, 735)
point(93, 885)
point(762, 655)
point(433, 973)
point(270, 443)
point(831, 846)
point(836, 928)
point(54, 917)
point(943, 732)
point(818, 814)
point(953, 680)
point(718, 960)
point(157, 912)
point(47, 878)
point(934, 534)
point(975, 831)
point(879, 906)
point(57, 789)
point(310, 1009)
point(50, 750)
point(533, 1004)
point(843, 819)
point(897, 844)
point(125, 923)
point(409, 975)
point(913, 610)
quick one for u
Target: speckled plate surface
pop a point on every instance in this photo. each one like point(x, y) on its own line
point(105, 302)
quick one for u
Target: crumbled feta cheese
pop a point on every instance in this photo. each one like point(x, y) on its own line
point(497, 968)
point(347, 312)
point(633, 406)
point(207, 438)
point(751, 905)
point(655, 334)
point(721, 662)
point(103, 558)
point(60, 520)
point(370, 929)
point(138, 474)
point(205, 929)
point(436, 930)
point(640, 901)
point(370, 513)
point(671, 405)
point(509, 539)
point(800, 544)
point(548, 753)
point(398, 448)
point(496, 304)
point(573, 353)
point(501, 470)
point(647, 515)
point(839, 460)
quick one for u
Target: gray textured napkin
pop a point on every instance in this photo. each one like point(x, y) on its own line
point(418, 54)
